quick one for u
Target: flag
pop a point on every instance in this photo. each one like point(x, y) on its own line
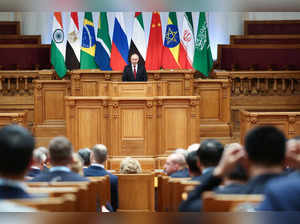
point(119, 48)
point(73, 43)
point(203, 61)
point(58, 47)
point(103, 43)
point(138, 40)
point(187, 42)
point(155, 44)
point(170, 58)
point(88, 44)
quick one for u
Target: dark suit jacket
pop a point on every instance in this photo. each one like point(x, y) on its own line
point(204, 176)
point(96, 171)
point(141, 74)
point(33, 172)
point(181, 173)
point(282, 194)
point(58, 176)
point(10, 192)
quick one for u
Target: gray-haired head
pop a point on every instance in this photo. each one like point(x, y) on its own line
point(99, 153)
point(61, 150)
point(39, 157)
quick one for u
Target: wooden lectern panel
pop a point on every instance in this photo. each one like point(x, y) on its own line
point(54, 107)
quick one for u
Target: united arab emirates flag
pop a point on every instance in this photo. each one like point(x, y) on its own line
point(138, 40)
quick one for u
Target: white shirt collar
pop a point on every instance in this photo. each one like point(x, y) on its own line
point(136, 67)
point(35, 167)
point(97, 164)
point(59, 168)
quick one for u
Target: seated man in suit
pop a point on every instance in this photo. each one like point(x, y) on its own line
point(85, 154)
point(283, 193)
point(61, 157)
point(192, 161)
point(175, 166)
point(38, 160)
point(98, 158)
point(16, 148)
point(134, 71)
point(265, 152)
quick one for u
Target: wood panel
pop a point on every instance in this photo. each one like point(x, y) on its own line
point(20, 39)
point(13, 118)
point(10, 27)
point(215, 118)
point(133, 185)
point(92, 83)
point(178, 122)
point(287, 122)
point(142, 127)
point(49, 114)
point(265, 39)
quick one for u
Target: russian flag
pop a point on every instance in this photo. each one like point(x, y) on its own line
point(119, 48)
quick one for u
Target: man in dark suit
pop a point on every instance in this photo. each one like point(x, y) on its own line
point(38, 160)
point(134, 71)
point(175, 166)
point(60, 150)
point(16, 147)
point(192, 161)
point(265, 152)
point(283, 193)
point(98, 158)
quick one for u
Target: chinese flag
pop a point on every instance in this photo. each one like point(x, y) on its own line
point(155, 44)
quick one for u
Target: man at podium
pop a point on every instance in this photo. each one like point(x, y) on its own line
point(134, 71)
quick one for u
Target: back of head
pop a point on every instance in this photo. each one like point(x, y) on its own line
point(130, 166)
point(39, 156)
point(77, 165)
point(210, 152)
point(61, 150)
point(191, 160)
point(16, 147)
point(265, 146)
point(99, 153)
point(85, 154)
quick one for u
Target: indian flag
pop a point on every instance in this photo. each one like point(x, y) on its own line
point(58, 46)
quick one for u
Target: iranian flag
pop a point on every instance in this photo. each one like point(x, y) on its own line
point(58, 46)
point(187, 42)
point(138, 40)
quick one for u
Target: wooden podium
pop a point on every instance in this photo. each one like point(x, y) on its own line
point(133, 119)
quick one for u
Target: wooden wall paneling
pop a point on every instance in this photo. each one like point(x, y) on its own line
point(287, 122)
point(175, 118)
point(49, 105)
point(214, 107)
point(87, 121)
point(13, 118)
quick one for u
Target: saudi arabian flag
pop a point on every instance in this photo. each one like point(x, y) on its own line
point(58, 47)
point(88, 44)
point(203, 61)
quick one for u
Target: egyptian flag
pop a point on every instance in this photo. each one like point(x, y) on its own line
point(119, 48)
point(170, 58)
point(73, 43)
point(138, 40)
point(155, 44)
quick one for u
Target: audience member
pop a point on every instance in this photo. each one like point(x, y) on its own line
point(85, 154)
point(175, 166)
point(77, 165)
point(46, 153)
point(260, 143)
point(192, 162)
point(16, 148)
point(61, 158)
point(38, 161)
point(130, 166)
point(282, 194)
point(209, 154)
point(98, 158)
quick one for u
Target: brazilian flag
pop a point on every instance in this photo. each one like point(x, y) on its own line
point(88, 45)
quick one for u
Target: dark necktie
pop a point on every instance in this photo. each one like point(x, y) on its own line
point(134, 71)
